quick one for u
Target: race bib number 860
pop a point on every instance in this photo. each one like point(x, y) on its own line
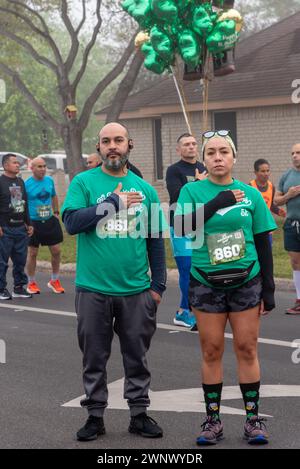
point(226, 247)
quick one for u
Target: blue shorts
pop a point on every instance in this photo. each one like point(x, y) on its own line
point(180, 245)
point(291, 230)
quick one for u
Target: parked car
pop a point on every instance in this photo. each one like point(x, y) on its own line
point(56, 161)
point(21, 158)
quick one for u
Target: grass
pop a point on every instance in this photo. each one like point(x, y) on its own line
point(282, 266)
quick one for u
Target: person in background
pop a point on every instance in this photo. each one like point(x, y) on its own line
point(265, 186)
point(44, 212)
point(15, 228)
point(289, 194)
point(187, 169)
point(93, 160)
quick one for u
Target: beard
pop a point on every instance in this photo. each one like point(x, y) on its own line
point(116, 164)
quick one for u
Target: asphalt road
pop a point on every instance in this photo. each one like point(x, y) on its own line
point(43, 371)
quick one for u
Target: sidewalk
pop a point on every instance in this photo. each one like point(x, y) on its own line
point(283, 284)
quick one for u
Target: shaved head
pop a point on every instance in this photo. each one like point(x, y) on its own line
point(38, 168)
point(114, 127)
point(37, 161)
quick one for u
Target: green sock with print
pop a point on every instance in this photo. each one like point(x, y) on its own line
point(250, 392)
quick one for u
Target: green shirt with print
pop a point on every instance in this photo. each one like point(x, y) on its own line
point(228, 238)
point(112, 258)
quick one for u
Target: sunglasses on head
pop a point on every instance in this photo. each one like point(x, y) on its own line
point(211, 133)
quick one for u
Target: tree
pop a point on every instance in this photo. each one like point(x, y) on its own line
point(259, 14)
point(23, 24)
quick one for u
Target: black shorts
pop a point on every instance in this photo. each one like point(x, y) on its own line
point(291, 229)
point(216, 300)
point(46, 233)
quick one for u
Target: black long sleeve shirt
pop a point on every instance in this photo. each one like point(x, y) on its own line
point(179, 174)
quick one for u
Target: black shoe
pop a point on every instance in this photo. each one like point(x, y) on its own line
point(145, 426)
point(94, 426)
point(5, 295)
point(20, 292)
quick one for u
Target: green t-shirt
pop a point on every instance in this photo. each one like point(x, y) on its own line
point(228, 241)
point(112, 258)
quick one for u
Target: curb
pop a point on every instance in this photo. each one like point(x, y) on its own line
point(282, 284)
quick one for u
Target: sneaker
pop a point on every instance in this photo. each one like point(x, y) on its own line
point(5, 295)
point(20, 292)
point(255, 431)
point(55, 286)
point(33, 288)
point(212, 432)
point(185, 319)
point(94, 426)
point(295, 309)
point(145, 426)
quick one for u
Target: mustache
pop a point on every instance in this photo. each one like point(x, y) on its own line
point(113, 153)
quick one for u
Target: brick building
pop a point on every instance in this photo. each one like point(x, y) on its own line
point(258, 103)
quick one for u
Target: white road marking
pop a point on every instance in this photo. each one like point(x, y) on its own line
point(190, 400)
point(168, 327)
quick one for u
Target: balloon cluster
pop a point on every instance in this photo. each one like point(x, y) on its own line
point(185, 27)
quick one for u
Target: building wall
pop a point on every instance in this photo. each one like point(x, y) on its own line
point(265, 132)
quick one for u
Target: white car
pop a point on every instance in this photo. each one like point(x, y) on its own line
point(56, 161)
point(21, 158)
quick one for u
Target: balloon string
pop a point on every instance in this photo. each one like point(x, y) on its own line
point(181, 101)
point(205, 93)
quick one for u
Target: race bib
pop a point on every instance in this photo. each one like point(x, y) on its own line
point(226, 247)
point(44, 211)
point(120, 225)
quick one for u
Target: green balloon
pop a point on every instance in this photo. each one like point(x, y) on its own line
point(162, 44)
point(140, 10)
point(202, 22)
point(152, 61)
point(165, 10)
point(223, 37)
point(189, 47)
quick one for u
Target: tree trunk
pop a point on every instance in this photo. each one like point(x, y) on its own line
point(72, 137)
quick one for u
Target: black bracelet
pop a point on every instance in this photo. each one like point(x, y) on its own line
point(56, 212)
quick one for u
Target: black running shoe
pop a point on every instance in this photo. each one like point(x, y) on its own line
point(21, 292)
point(145, 426)
point(94, 426)
point(5, 295)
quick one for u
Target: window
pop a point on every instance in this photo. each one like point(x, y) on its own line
point(50, 163)
point(227, 121)
point(157, 144)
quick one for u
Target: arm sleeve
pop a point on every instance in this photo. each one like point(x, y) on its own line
point(86, 219)
point(265, 257)
point(157, 261)
point(174, 184)
point(185, 224)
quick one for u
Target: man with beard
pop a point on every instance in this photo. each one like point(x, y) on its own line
point(109, 207)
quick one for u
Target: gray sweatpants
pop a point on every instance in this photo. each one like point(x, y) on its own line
point(133, 318)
